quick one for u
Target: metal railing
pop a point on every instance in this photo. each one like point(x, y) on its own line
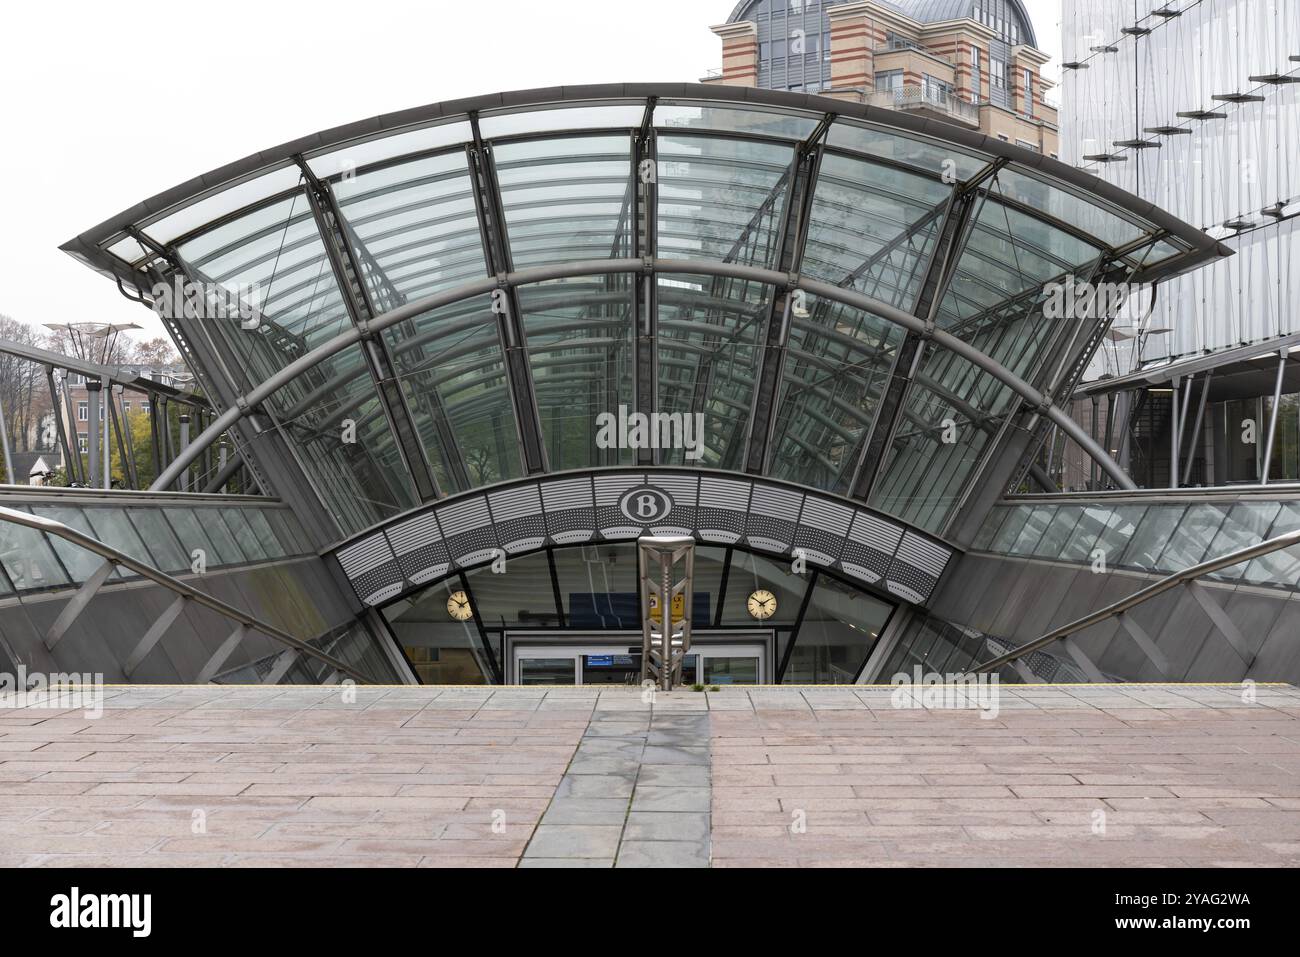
point(179, 588)
point(1185, 576)
point(917, 97)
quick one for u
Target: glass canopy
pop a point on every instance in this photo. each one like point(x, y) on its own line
point(630, 231)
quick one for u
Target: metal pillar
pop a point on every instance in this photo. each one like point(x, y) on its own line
point(1272, 419)
point(4, 442)
point(1196, 427)
point(93, 387)
point(185, 442)
point(665, 642)
point(1174, 437)
point(72, 472)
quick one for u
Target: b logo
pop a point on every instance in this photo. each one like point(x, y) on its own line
point(645, 505)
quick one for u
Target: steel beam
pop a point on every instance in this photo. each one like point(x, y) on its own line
point(154, 635)
point(221, 655)
point(93, 388)
point(76, 605)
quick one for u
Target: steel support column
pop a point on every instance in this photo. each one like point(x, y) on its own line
point(505, 303)
point(643, 193)
point(1272, 419)
point(93, 388)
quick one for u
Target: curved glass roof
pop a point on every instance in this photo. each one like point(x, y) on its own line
point(639, 233)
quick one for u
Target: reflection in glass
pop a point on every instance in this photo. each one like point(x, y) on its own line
point(838, 631)
point(548, 671)
point(836, 365)
point(441, 650)
point(452, 371)
point(711, 335)
point(580, 350)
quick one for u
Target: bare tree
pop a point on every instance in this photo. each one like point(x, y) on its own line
point(22, 386)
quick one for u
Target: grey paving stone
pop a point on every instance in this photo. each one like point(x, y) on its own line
point(663, 854)
point(577, 810)
point(673, 775)
point(595, 786)
point(675, 755)
point(669, 798)
point(667, 826)
point(574, 840)
point(616, 766)
point(567, 862)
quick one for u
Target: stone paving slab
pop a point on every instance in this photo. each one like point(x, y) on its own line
point(1104, 775)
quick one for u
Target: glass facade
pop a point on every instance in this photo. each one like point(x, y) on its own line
point(466, 393)
point(1160, 537)
point(165, 537)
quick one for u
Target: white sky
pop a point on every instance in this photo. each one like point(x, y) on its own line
point(106, 104)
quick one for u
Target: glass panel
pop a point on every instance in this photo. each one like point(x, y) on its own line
point(415, 221)
point(952, 414)
point(836, 366)
point(750, 573)
point(548, 671)
point(228, 200)
point(450, 365)
point(838, 631)
point(1007, 253)
point(239, 528)
point(1078, 547)
point(580, 350)
point(1152, 536)
point(28, 558)
point(223, 543)
point(441, 650)
point(189, 530)
point(112, 527)
point(625, 115)
point(730, 671)
point(566, 199)
point(1247, 524)
point(1058, 531)
point(1061, 204)
point(1010, 531)
point(686, 115)
point(341, 433)
point(598, 586)
point(1039, 519)
point(354, 156)
point(79, 562)
point(872, 228)
point(275, 258)
point(1282, 567)
point(161, 541)
point(286, 531)
point(1121, 525)
point(927, 155)
point(262, 531)
point(711, 332)
point(521, 597)
point(1190, 542)
point(721, 199)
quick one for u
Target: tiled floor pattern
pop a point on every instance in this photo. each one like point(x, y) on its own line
point(235, 776)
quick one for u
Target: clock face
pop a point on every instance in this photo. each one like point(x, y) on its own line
point(458, 606)
point(761, 604)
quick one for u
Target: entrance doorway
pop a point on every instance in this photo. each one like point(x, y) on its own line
point(602, 659)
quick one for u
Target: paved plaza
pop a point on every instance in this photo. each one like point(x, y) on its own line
point(1099, 775)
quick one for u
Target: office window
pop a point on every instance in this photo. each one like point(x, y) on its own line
point(975, 78)
point(1027, 145)
point(998, 72)
point(1029, 93)
point(144, 407)
point(83, 412)
point(889, 80)
point(82, 441)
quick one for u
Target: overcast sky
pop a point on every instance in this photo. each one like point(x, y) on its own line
point(105, 104)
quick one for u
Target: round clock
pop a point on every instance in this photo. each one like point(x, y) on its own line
point(458, 606)
point(761, 604)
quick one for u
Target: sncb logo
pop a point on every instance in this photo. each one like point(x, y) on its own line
point(644, 505)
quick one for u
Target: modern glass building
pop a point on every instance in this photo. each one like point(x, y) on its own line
point(829, 316)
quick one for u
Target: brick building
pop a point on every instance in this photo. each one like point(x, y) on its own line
point(974, 63)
